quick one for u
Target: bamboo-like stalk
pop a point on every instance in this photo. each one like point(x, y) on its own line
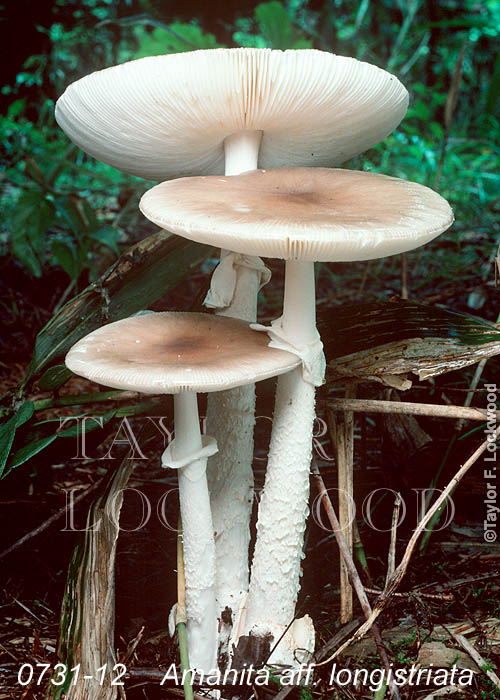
point(414, 409)
point(181, 617)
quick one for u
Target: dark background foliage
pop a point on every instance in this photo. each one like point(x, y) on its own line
point(57, 202)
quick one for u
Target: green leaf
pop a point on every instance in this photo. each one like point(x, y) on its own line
point(493, 93)
point(143, 274)
point(68, 210)
point(36, 441)
point(30, 220)
point(108, 236)
point(54, 377)
point(8, 431)
point(16, 108)
point(64, 256)
point(420, 109)
point(134, 409)
point(27, 451)
point(89, 215)
point(74, 430)
point(462, 21)
point(277, 28)
point(174, 38)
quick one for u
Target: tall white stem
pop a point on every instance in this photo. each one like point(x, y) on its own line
point(231, 420)
point(241, 152)
point(283, 508)
point(198, 539)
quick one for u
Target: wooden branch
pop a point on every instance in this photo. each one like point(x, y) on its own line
point(415, 409)
point(339, 536)
point(352, 571)
point(341, 430)
point(391, 559)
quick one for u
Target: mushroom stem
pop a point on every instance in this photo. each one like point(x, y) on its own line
point(241, 151)
point(283, 507)
point(299, 302)
point(198, 539)
point(231, 420)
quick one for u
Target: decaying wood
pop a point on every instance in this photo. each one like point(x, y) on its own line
point(340, 636)
point(405, 434)
point(88, 610)
point(438, 655)
point(381, 340)
point(410, 408)
point(424, 357)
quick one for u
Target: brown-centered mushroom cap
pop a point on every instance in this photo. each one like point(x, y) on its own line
point(167, 116)
point(172, 352)
point(301, 213)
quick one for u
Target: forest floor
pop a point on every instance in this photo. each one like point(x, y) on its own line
point(450, 588)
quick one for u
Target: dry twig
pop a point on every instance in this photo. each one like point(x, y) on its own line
point(50, 521)
point(476, 656)
point(408, 407)
point(342, 430)
point(449, 690)
point(352, 571)
point(400, 571)
point(391, 559)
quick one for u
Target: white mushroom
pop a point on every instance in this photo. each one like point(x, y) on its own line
point(181, 354)
point(300, 215)
point(225, 111)
point(169, 116)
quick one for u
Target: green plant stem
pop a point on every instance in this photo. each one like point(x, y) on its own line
point(183, 650)
point(181, 618)
point(360, 554)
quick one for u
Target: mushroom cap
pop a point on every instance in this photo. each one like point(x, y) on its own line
point(301, 213)
point(168, 116)
point(171, 352)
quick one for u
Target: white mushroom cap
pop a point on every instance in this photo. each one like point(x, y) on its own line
point(167, 353)
point(167, 116)
point(301, 213)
